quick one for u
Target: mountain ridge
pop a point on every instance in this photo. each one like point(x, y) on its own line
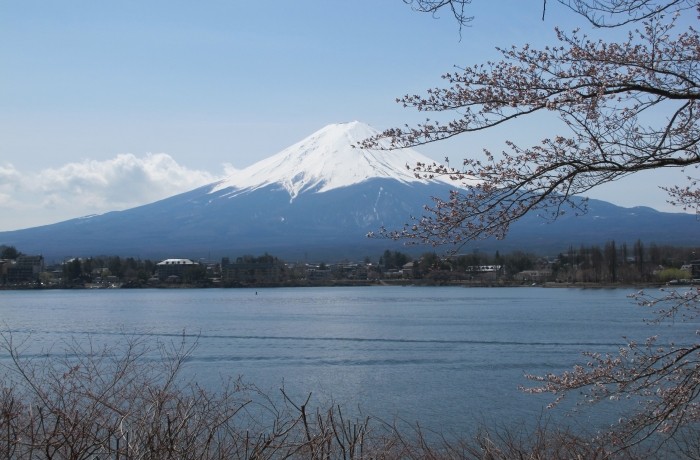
point(318, 199)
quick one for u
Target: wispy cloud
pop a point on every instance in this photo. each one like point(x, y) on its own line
point(92, 187)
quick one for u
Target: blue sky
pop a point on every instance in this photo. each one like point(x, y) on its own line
point(108, 105)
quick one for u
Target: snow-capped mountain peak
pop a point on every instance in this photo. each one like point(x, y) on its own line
point(326, 160)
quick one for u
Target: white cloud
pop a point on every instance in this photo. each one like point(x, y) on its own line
point(9, 181)
point(229, 169)
point(92, 187)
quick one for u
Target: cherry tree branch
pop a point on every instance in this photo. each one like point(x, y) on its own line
point(628, 107)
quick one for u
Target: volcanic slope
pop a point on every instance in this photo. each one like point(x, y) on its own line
point(317, 200)
point(318, 197)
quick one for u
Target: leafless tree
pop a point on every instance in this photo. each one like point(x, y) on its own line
point(129, 401)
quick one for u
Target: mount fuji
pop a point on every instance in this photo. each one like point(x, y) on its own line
point(317, 199)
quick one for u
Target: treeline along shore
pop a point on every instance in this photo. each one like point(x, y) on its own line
point(611, 265)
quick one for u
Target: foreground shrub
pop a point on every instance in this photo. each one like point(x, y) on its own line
point(130, 402)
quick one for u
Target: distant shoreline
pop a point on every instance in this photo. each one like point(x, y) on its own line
point(346, 283)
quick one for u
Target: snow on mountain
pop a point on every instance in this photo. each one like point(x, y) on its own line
point(326, 160)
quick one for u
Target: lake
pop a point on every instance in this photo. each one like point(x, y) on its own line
point(448, 357)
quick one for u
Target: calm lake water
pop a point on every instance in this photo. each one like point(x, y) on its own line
point(445, 356)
